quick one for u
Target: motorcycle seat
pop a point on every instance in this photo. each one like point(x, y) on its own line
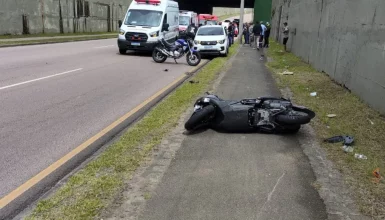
point(167, 44)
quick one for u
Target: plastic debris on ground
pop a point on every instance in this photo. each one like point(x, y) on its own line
point(360, 156)
point(331, 115)
point(348, 149)
point(313, 94)
point(286, 73)
point(371, 122)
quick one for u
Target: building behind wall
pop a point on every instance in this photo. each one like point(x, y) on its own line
point(343, 38)
point(61, 16)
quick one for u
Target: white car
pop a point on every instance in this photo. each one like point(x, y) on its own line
point(212, 40)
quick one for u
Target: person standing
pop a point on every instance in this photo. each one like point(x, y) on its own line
point(267, 35)
point(257, 30)
point(285, 34)
point(246, 33)
point(230, 31)
point(192, 28)
point(263, 27)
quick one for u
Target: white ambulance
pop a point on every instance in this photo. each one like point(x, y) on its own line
point(144, 22)
point(186, 18)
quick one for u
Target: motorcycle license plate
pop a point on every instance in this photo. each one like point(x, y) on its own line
point(135, 43)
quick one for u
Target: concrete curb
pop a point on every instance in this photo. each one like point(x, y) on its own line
point(43, 43)
point(32, 195)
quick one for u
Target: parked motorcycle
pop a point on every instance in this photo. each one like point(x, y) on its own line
point(182, 46)
point(264, 114)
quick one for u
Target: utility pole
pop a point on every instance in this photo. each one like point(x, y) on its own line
point(240, 28)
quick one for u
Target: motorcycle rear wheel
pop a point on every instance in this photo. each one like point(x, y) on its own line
point(193, 60)
point(158, 56)
point(198, 117)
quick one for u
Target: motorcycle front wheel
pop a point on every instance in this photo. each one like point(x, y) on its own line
point(198, 117)
point(193, 59)
point(294, 118)
point(158, 56)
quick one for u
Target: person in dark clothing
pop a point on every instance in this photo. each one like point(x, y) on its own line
point(267, 35)
point(230, 31)
point(246, 33)
point(192, 28)
point(257, 30)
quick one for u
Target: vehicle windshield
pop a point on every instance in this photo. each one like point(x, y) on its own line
point(184, 20)
point(143, 18)
point(210, 31)
point(209, 22)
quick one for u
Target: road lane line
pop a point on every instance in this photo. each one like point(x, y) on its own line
point(34, 80)
point(40, 176)
point(104, 46)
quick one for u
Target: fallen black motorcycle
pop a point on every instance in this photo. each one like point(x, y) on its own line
point(264, 114)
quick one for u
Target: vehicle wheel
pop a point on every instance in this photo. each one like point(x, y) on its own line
point(158, 56)
point(294, 118)
point(198, 117)
point(122, 51)
point(193, 60)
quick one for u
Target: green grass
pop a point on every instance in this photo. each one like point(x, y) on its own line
point(353, 118)
point(53, 40)
point(88, 192)
point(9, 36)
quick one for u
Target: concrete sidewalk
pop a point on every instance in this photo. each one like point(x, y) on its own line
point(55, 37)
point(238, 176)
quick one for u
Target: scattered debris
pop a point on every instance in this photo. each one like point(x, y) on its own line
point(347, 140)
point(193, 81)
point(286, 73)
point(377, 175)
point(371, 122)
point(165, 70)
point(347, 149)
point(313, 94)
point(360, 156)
point(331, 115)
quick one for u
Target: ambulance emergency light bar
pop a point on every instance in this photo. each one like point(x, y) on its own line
point(154, 2)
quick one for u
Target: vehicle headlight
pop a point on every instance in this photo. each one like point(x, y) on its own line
point(121, 32)
point(221, 41)
point(154, 34)
point(197, 41)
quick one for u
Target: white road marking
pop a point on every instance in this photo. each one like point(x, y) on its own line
point(34, 80)
point(104, 46)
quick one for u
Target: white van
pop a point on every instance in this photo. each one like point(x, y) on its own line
point(186, 18)
point(144, 23)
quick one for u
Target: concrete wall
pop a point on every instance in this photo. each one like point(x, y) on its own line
point(228, 11)
point(343, 38)
point(61, 16)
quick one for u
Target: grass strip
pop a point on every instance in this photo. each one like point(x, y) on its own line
point(9, 36)
point(93, 188)
point(53, 40)
point(353, 118)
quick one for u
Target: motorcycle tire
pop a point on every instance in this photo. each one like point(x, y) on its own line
point(198, 57)
point(197, 118)
point(294, 118)
point(159, 59)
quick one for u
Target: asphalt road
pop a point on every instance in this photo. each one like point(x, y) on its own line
point(55, 97)
point(237, 176)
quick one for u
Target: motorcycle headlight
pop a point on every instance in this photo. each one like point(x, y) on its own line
point(154, 34)
point(221, 41)
point(197, 41)
point(121, 32)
